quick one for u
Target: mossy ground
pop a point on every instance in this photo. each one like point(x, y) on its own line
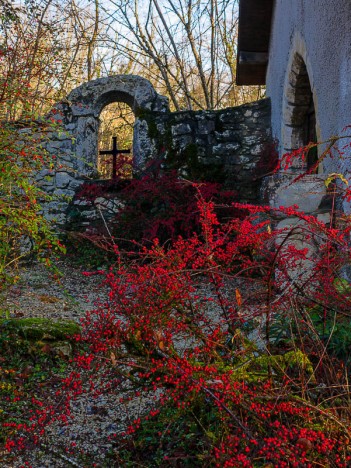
point(42, 329)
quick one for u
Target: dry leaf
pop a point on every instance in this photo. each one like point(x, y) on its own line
point(238, 297)
point(113, 359)
point(161, 345)
point(48, 299)
point(305, 444)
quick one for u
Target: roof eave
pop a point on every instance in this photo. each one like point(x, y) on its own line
point(255, 18)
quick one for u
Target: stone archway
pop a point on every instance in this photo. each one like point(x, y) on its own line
point(82, 108)
point(299, 123)
point(299, 114)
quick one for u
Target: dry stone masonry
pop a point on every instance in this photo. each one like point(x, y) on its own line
point(227, 145)
point(75, 145)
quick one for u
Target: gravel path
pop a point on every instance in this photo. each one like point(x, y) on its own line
point(38, 294)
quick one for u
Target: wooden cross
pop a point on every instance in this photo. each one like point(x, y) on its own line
point(114, 152)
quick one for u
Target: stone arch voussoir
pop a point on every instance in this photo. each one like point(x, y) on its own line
point(298, 96)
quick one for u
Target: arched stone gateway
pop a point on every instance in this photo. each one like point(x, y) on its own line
point(299, 126)
point(75, 145)
point(82, 108)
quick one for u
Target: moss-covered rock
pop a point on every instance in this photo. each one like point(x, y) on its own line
point(257, 368)
point(42, 329)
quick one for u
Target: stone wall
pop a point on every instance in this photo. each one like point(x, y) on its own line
point(231, 145)
point(309, 61)
point(74, 146)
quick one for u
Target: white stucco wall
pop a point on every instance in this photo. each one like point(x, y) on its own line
point(320, 31)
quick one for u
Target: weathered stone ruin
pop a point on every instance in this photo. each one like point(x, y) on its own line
point(231, 145)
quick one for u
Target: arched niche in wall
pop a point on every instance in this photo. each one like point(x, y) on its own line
point(117, 121)
point(86, 103)
point(299, 114)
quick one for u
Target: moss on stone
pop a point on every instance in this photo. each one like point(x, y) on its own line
point(41, 328)
point(188, 161)
point(261, 367)
point(152, 129)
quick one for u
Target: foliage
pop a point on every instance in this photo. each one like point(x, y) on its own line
point(45, 51)
point(23, 228)
point(160, 205)
point(28, 366)
point(185, 48)
point(174, 331)
point(227, 338)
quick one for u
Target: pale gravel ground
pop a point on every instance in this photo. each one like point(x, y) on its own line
point(38, 295)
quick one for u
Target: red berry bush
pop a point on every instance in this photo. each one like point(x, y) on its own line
point(234, 337)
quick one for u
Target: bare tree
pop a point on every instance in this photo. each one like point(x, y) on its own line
point(46, 47)
point(185, 47)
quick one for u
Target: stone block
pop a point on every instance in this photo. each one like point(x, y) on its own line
point(64, 193)
point(53, 146)
point(180, 117)
point(66, 144)
point(225, 149)
point(82, 203)
point(63, 179)
point(182, 142)
point(307, 193)
point(292, 137)
point(257, 150)
point(47, 185)
point(56, 218)
point(227, 135)
point(44, 173)
point(105, 204)
point(298, 80)
point(70, 126)
point(231, 117)
point(298, 98)
point(205, 127)
point(161, 127)
point(249, 140)
point(181, 129)
point(294, 115)
point(56, 206)
point(91, 215)
point(74, 184)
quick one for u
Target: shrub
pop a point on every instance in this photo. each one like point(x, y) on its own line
point(192, 328)
point(21, 218)
point(159, 205)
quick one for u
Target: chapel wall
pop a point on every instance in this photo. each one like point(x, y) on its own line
point(319, 31)
point(310, 53)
